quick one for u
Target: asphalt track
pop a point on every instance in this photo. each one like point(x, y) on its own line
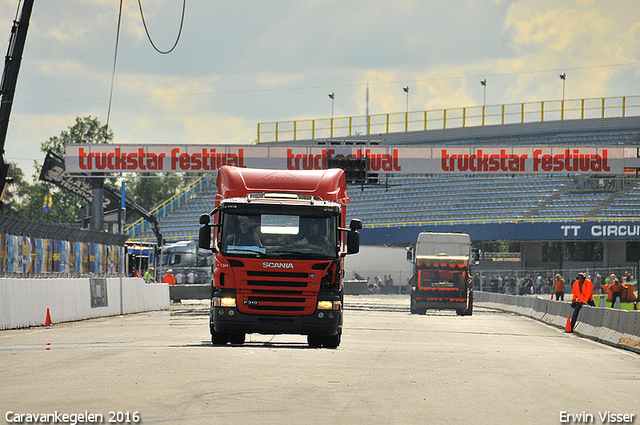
point(391, 368)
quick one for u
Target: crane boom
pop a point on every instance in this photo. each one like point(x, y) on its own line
point(10, 79)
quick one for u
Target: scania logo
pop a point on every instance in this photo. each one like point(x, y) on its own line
point(268, 265)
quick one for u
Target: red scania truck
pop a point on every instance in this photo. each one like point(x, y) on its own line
point(279, 240)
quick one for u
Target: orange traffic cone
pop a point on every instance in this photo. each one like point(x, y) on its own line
point(47, 320)
point(567, 327)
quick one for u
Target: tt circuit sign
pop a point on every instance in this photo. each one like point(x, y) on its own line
point(600, 231)
point(94, 158)
point(523, 231)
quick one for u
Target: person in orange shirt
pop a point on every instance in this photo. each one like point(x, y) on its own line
point(169, 278)
point(558, 288)
point(582, 294)
point(616, 292)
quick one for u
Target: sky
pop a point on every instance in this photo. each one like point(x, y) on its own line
point(239, 63)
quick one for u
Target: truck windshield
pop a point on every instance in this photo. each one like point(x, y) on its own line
point(280, 235)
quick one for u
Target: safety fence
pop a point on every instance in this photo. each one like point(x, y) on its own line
point(620, 328)
point(552, 110)
point(497, 280)
point(42, 250)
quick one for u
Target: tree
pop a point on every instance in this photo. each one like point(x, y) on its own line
point(85, 130)
point(25, 201)
point(150, 190)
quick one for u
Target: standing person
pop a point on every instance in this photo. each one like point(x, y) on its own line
point(169, 278)
point(582, 294)
point(558, 287)
point(191, 277)
point(528, 285)
point(521, 286)
point(148, 276)
point(179, 277)
point(549, 285)
point(616, 292)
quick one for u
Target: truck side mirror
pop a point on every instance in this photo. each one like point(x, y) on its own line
point(353, 242)
point(353, 237)
point(475, 256)
point(204, 219)
point(204, 236)
point(410, 253)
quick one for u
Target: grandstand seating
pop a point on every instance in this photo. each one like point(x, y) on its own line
point(419, 199)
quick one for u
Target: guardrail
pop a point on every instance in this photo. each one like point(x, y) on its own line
point(510, 113)
point(620, 328)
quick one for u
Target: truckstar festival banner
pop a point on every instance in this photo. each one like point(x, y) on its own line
point(92, 158)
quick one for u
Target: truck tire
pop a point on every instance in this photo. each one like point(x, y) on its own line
point(218, 338)
point(332, 341)
point(315, 341)
point(417, 310)
point(237, 339)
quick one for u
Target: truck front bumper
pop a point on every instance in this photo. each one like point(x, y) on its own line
point(438, 300)
point(231, 320)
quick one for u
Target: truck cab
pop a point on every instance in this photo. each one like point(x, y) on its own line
point(279, 240)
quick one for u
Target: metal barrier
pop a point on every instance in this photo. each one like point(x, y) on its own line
point(620, 328)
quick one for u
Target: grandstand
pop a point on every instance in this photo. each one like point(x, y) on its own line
point(488, 207)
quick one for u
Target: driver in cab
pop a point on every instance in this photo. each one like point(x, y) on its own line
point(245, 233)
point(314, 235)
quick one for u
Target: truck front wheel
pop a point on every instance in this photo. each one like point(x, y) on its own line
point(332, 341)
point(237, 339)
point(315, 341)
point(218, 338)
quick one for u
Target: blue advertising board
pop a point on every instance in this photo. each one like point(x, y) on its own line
point(522, 231)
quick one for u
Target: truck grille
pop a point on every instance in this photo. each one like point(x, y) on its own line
point(275, 292)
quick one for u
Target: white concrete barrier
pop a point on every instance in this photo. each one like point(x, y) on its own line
point(24, 302)
point(620, 328)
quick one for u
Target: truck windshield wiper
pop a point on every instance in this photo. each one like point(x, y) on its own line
point(245, 249)
point(299, 253)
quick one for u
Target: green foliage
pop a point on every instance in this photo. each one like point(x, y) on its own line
point(25, 201)
point(85, 130)
point(150, 190)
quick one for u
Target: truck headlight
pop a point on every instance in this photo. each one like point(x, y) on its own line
point(224, 302)
point(329, 305)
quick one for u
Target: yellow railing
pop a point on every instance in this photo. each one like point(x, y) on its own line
point(551, 110)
